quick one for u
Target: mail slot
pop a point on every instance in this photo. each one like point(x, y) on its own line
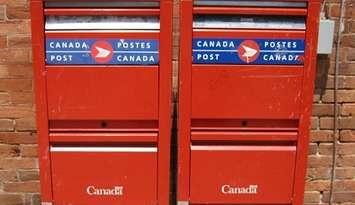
point(246, 84)
point(103, 96)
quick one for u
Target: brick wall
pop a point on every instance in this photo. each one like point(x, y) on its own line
point(18, 158)
point(18, 150)
point(320, 153)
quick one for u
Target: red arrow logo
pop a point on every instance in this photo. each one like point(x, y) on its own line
point(102, 51)
point(249, 51)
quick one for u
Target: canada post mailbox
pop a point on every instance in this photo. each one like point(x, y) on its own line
point(246, 88)
point(103, 83)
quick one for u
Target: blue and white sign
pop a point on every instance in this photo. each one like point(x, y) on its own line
point(248, 51)
point(102, 51)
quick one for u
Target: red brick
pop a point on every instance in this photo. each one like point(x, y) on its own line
point(15, 112)
point(25, 124)
point(6, 125)
point(29, 150)
point(32, 199)
point(325, 148)
point(347, 136)
point(18, 138)
point(349, 82)
point(346, 148)
point(344, 185)
point(318, 173)
point(8, 176)
point(346, 161)
point(15, 85)
point(348, 109)
point(334, 10)
point(352, 27)
point(343, 123)
point(321, 136)
point(312, 197)
point(4, 98)
point(323, 109)
point(24, 187)
point(351, 54)
point(11, 199)
point(22, 98)
point(14, 2)
point(343, 54)
point(17, 12)
point(318, 185)
point(347, 69)
point(340, 197)
point(317, 96)
point(28, 175)
point(2, 13)
point(3, 39)
point(345, 173)
point(9, 150)
point(314, 122)
point(36, 199)
point(16, 71)
point(14, 55)
point(347, 123)
point(344, 96)
point(313, 148)
point(348, 40)
point(19, 41)
point(15, 27)
point(315, 161)
point(326, 123)
point(18, 163)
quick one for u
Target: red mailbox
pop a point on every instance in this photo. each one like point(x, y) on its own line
point(103, 93)
point(245, 97)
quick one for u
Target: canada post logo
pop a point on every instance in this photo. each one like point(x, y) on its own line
point(248, 51)
point(102, 51)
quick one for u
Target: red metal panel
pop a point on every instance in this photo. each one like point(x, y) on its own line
point(104, 105)
point(246, 136)
point(95, 34)
point(246, 33)
point(41, 101)
point(88, 177)
point(220, 103)
point(124, 137)
point(270, 125)
point(307, 100)
point(102, 93)
point(242, 174)
point(246, 92)
point(184, 121)
point(165, 97)
point(103, 126)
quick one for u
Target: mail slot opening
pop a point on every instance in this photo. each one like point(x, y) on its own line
point(252, 3)
point(226, 21)
point(102, 23)
point(100, 4)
